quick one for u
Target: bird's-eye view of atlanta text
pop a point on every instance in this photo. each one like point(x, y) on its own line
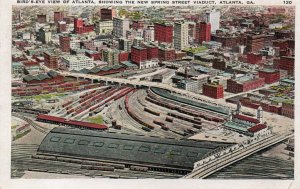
point(134, 92)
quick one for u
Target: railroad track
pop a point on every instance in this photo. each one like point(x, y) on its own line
point(32, 123)
point(22, 161)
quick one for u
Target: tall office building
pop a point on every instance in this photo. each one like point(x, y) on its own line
point(163, 32)
point(203, 32)
point(181, 34)
point(58, 16)
point(120, 26)
point(50, 60)
point(64, 43)
point(104, 27)
point(111, 56)
point(61, 27)
point(107, 13)
point(213, 17)
point(148, 34)
point(42, 18)
point(45, 35)
point(125, 44)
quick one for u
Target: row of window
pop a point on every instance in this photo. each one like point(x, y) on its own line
point(125, 147)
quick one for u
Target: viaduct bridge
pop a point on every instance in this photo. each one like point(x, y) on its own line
point(221, 159)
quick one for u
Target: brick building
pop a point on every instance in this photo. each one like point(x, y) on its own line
point(244, 84)
point(213, 90)
point(166, 54)
point(255, 42)
point(163, 32)
point(179, 55)
point(254, 58)
point(287, 63)
point(270, 75)
point(64, 43)
point(61, 27)
point(58, 16)
point(123, 56)
point(50, 60)
point(227, 40)
point(219, 64)
point(107, 13)
point(152, 52)
point(95, 55)
point(203, 32)
point(288, 109)
point(138, 54)
point(281, 43)
point(41, 18)
point(283, 34)
point(137, 24)
point(80, 27)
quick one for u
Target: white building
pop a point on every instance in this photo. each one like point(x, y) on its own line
point(120, 26)
point(213, 17)
point(26, 35)
point(275, 26)
point(74, 42)
point(148, 34)
point(104, 27)
point(148, 64)
point(189, 85)
point(77, 62)
point(125, 44)
point(212, 44)
point(267, 51)
point(181, 35)
point(137, 41)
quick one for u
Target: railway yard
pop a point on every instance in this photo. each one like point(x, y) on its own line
point(146, 112)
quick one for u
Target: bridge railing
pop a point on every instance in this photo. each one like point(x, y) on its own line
point(230, 149)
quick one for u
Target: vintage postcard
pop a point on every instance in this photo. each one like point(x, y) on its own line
point(134, 90)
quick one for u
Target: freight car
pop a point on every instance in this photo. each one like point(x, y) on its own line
point(138, 168)
point(102, 168)
point(197, 126)
point(168, 119)
point(93, 163)
point(165, 128)
point(159, 123)
point(151, 111)
point(146, 129)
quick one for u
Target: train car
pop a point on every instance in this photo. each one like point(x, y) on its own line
point(159, 123)
point(197, 118)
point(197, 126)
point(138, 168)
point(216, 119)
point(165, 128)
point(190, 131)
point(180, 133)
point(168, 119)
point(151, 111)
point(146, 129)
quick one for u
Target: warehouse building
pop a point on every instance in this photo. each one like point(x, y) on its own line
point(157, 154)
